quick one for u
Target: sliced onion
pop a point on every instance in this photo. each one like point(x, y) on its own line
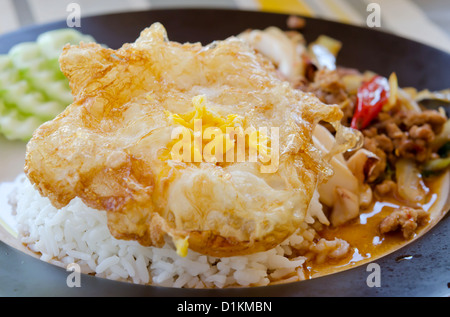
point(409, 181)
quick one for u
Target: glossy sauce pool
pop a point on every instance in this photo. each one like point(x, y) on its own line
point(363, 235)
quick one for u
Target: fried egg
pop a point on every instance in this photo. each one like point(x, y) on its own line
point(114, 146)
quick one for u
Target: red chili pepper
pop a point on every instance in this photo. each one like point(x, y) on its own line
point(371, 97)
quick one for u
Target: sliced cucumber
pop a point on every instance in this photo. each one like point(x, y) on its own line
point(32, 87)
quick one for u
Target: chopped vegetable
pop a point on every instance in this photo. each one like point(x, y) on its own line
point(32, 87)
point(393, 89)
point(352, 82)
point(443, 162)
point(443, 95)
point(407, 101)
point(333, 45)
point(371, 97)
point(409, 181)
point(442, 139)
point(324, 50)
point(435, 165)
point(444, 150)
point(52, 42)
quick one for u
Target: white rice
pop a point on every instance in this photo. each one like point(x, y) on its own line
point(79, 234)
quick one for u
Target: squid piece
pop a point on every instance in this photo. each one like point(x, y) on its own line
point(409, 180)
point(283, 51)
point(347, 190)
point(362, 163)
point(341, 191)
point(346, 206)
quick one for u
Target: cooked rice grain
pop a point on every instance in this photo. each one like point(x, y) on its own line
point(79, 234)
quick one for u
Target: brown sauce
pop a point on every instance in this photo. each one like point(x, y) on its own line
point(363, 235)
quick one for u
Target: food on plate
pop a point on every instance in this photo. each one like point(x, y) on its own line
point(110, 146)
point(160, 171)
point(403, 141)
point(32, 87)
